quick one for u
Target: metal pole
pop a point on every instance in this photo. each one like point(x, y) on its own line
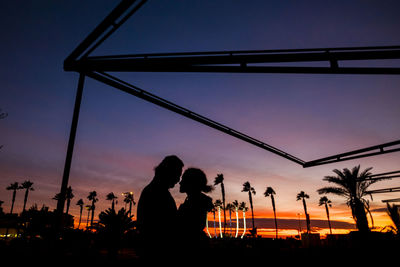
point(71, 142)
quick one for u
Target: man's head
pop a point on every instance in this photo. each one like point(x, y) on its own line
point(169, 171)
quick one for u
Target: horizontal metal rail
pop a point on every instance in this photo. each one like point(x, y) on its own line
point(243, 62)
point(360, 153)
point(385, 190)
point(391, 200)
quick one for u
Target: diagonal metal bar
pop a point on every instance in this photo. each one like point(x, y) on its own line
point(138, 92)
point(104, 29)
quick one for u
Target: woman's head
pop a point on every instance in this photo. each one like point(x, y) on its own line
point(194, 180)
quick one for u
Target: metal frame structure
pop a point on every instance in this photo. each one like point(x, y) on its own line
point(259, 61)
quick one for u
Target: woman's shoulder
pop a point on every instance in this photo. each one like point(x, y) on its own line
point(207, 201)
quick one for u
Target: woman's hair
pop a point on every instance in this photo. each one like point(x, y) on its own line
point(198, 179)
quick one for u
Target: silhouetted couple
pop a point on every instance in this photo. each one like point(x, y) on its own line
point(165, 230)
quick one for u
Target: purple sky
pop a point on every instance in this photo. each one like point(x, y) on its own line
point(121, 138)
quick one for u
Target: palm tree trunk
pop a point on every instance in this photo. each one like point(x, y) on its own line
point(80, 217)
point(91, 221)
point(230, 223)
point(327, 215)
point(219, 220)
point(215, 229)
point(360, 216)
point(251, 206)
point(276, 223)
point(87, 220)
point(223, 203)
point(237, 223)
point(244, 223)
point(208, 232)
point(25, 199)
point(307, 216)
point(13, 201)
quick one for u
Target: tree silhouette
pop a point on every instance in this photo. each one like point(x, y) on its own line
point(326, 202)
point(235, 206)
point(113, 226)
point(1, 208)
point(219, 180)
point(112, 198)
point(92, 197)
point(218, 205)
point(80, 204)
point(89, 209)
point(393, 212)
point(14, 187)
point(270, 192)
point(27, 185)
point(302, 196)
point(215, 228)
point(230, 208)
point(130, 201)
point(352, 185)
point(244, 208)
point(68, 196)
point(251, 191)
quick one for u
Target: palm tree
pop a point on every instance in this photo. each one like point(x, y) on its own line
point(129, 200)
point(112, 198)
point(80, 204)
point(89, 208)
point(230, 208)
point(218, 205)
point(251, 191)
point(220, 180)
point(92, 197)
point(393, 212)
point(353, 185)
point(208, 231)
point(113, 226)
point(27, 185)
point(235, 205)
point(215, 228)
point(325, 201)
point(244, 208)
point(14, 186)
point(302, 196)
point(270, 192)
point(68, 196)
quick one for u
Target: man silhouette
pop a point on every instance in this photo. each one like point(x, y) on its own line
point(156, 210)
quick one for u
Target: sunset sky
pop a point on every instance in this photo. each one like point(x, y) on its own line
point(120, 138)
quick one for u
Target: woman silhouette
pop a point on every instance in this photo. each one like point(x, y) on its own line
point(192, 213)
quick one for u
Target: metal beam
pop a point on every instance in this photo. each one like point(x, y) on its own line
point(244, 61)
point(104, 29)
point(391, 200)
point(138, 92)
point(71, 143)
point(383, 176)
point(360, 153)
point(385, 190)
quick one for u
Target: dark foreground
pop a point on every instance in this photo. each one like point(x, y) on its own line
point(81, 248)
